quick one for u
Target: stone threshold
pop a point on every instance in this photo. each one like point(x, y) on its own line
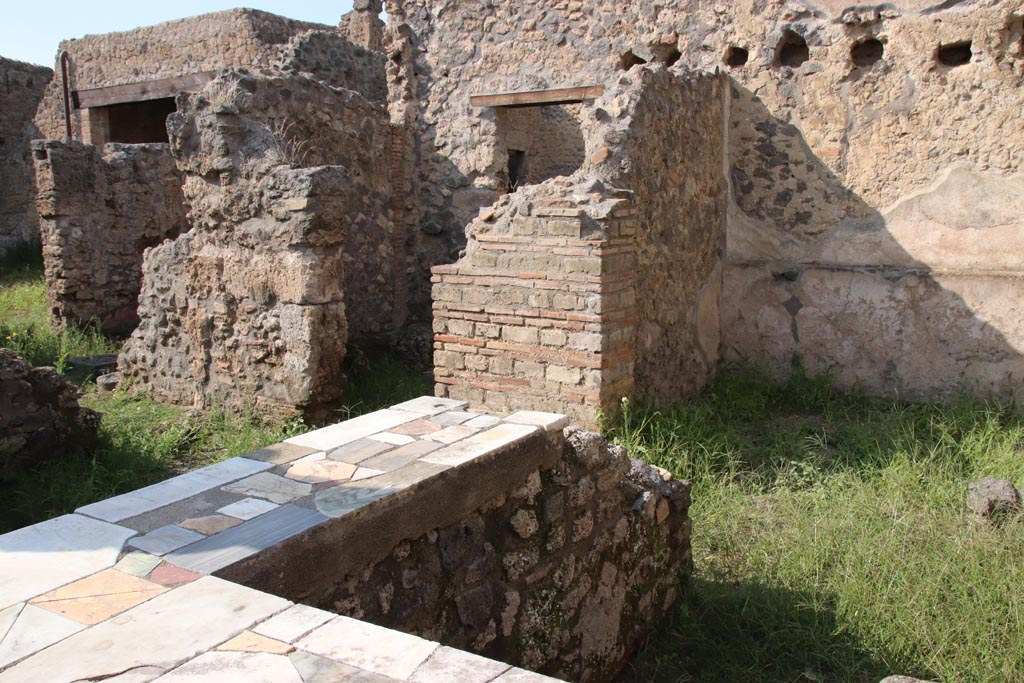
point(130, 589)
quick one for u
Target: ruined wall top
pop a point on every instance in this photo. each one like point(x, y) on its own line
point(233, 38)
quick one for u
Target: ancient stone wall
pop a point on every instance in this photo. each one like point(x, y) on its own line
point(853, 137)
point(676, 153)
point(39, 414)
point(582, 290)
point(363, 25)
point(241, 38)
point(540, 313)
point(289, 250)
point(21, 87)
point(556, 553)
point(100, 209)
point(330, 57)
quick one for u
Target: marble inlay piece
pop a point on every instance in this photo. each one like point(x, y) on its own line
point(27, 629)
point(357, 428)
point(165, 539)
point(216, 552)
point(248, 508)
point(58, 551)
point(293, 623)
point(483, 443)
point(166, 492)
point(98, 597)
point(368, 647)
point(200, 615)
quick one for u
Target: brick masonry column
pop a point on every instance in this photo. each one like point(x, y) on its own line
point(541, 313)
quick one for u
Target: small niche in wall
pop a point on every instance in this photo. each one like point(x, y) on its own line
point(955, 54)
point(516, 169)
point(867, 52)
point(628, 60)
point(792, 50)
point(736, 56)
point(673, 57)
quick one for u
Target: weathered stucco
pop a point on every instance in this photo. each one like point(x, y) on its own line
point(21, 87)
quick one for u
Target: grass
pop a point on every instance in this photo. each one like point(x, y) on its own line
point(832, 540)
point(24, 322)
point(141, 441)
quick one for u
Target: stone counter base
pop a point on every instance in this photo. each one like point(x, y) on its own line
point(510, 536)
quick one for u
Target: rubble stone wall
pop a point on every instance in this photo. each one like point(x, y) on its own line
point(100, 209)
point(868, 167)
point(21, 88)
point(242, 38)
point(676, 153)
point(328, 56)
point(39, 414)
point(289, 250)
point(557, 554)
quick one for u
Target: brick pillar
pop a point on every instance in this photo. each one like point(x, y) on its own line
point(541, 313)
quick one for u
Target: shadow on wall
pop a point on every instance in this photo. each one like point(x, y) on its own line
point(922, 299)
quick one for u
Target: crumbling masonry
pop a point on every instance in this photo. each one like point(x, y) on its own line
point(649, 192)
point(587, 201)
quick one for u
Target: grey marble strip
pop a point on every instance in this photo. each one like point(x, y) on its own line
point(173, 490)
point(245, 540)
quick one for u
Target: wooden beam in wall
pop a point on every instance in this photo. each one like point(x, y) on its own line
point(143, 90)
point(538, 98)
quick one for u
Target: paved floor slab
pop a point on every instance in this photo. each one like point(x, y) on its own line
point(293, 623)
point(98, 597)
point(472, 448)
point(448, 664)
point(169, 629)
point(235, 667)
point(248, 508)
point(429, 405)
point(165, 539)
point(26, 629)
point(48, 555)
point(549, 422)
point(368, 647)
point(272, 487)
point(357, 451)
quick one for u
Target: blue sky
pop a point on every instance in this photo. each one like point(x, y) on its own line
point(31, 29)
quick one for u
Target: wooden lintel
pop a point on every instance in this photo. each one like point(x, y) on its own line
point(143, 90)
point(538, 98)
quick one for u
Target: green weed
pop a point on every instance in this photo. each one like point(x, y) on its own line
point(831, 539)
